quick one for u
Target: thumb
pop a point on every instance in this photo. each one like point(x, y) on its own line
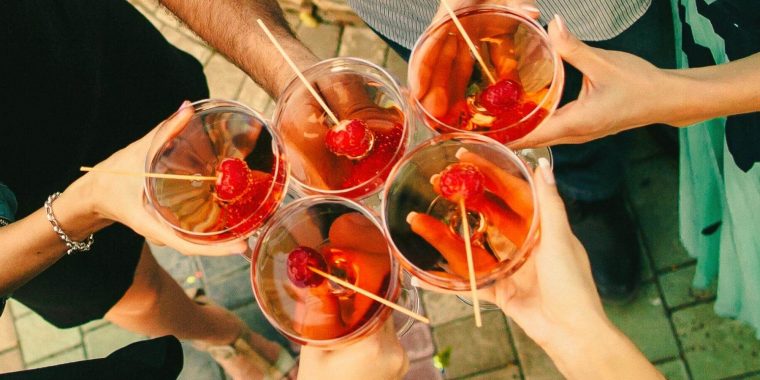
point(581, 56)
point(551, 208)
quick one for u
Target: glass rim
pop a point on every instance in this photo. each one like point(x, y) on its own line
point(338, 62)
point(503, 268)
point(558, 69)
point(375, 320)
point(280, 165)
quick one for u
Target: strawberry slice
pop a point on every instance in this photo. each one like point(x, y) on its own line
point(351, 138)
point(500, 96)
point(232, 179)
point(461, 181)
point(299, 261)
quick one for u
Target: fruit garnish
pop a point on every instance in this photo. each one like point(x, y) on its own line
point(461, 181)
point(351, 138)
point(378, 162)
point(299, 261)
point(233, 177)
point(250, 201)
point(501, 96)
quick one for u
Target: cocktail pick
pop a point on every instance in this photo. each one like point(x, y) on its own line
point(299, 73)
point(470, 264)
point(370, 295)
point(467, 39)
point(150, 175)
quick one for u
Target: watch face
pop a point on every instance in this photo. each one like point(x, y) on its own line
point(221, 352)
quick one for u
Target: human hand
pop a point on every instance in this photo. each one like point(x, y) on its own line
point(122, 198)
point(620, 91)
point(553, 296)
point(506, 205)
point(443, 64)
point(305, 124)
point(376, 357)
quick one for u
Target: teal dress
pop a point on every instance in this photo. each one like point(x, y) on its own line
point(719, 193)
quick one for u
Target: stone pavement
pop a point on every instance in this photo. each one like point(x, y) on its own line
point(674, 327)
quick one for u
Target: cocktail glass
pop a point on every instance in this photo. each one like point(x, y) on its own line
point(218, 130)
point(351, 241)
point(425, 227)
point(454, 94)
point(353, 89)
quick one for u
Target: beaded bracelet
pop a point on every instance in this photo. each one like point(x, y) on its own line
point(73, 246)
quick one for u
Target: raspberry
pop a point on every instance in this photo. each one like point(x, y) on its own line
point(501, 96)
point(377, 163)
point(299, 260)
point(232, 179)
point(249, 202)
point(461, 181)
point(351, 138)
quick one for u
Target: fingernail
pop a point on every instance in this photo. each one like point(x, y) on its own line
point(410, 216)
point(433, 178)
point(460, 152)
point(183, 105)
point(560, 26)
point(415, 282)
point(546, 170)
point(530, 8)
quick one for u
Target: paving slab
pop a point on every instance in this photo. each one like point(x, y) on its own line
point(322, 40)
point(8, 337)
point(216, 267)
point(183, 269)
point(167, 17)
point(423, 370)
point(716, 347)
point(39, 339)
point(224, 79)
point(418, 342)
point(653, 190)
point(73, 355)
point(645, 322)
point(536, 365)
point(231, 291)
point(396, 66)
point(101, 342)
point(198, 365)
point(677, 289)
point(443, 308)
point(475, 350)
point(256, 320)
point(673, 370)
point(11, 361)
point(506, 373)
point(92, 325)
point(17, 308)
point(361, 42)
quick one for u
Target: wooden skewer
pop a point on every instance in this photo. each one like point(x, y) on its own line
point(299, 73)
point(370, 295)
point(467, 39)
point(150, 175)
point(470, 265)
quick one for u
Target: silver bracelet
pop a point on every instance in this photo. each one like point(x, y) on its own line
point(73, 246)
point(4, 222)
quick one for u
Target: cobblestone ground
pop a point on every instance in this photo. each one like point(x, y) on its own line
point(676, 329)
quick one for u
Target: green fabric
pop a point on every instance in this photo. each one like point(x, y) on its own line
point(714, 190)
point(8, 205)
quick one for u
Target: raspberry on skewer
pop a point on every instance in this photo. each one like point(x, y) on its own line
point(233, 178)
point(350, 138)
point(461, 181)
point(299, 261)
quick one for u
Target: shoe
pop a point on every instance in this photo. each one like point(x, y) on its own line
point(239, 358)
point(607, 231)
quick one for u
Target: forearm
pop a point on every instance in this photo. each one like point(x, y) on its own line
point(30, 246)
point(230, 27)
point(707, 92)
point(602, 354)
